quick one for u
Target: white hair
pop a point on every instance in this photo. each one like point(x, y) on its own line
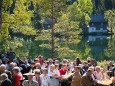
point(4, 75)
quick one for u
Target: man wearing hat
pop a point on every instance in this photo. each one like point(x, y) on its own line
point(87, 80)
point(30, 81)
point(76, 78)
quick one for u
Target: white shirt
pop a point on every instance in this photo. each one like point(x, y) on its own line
point(98, 75)
point(45, 80)
point(93, 77)
point(54, 82)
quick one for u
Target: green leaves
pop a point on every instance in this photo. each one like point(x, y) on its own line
point(110, 17)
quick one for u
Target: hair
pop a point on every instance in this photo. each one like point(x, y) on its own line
point(97, 67)
point(3, 66)
point(4, 75)
point(78, 61)
point(89, 70)
point(17, 69)
point(37, 64)
point(37, 71)
point(9, 74)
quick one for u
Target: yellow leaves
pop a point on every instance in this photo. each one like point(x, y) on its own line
point(45, 46)
point(44, 35)
point(65, 52)
point(6, 4)
point(64, 17)
point(28, 30)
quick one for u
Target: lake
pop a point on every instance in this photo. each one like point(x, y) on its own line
point(98, 47)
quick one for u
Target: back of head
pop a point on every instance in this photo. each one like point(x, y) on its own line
point(4, 76)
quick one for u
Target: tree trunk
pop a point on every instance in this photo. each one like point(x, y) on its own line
point(52, 28)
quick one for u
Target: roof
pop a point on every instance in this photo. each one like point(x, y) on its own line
point(97, 18)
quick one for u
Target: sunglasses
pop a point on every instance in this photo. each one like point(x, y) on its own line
point(37, 73)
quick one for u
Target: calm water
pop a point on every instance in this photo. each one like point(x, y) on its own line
point(101, 47)
point(98, 47)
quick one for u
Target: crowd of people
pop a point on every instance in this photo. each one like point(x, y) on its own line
point(52, 72)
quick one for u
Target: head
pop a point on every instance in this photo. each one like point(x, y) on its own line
point(37, 65)
point(37, 72)
point(65, 61)
point(75, 62)
point(102, 70)
point(77, 68)
point(98, 68)
point(89, 72)
point(12, 65)
point(68, 61)
point(64, 67)
point(56, 62)
point(16, 70)
point(85, 63)
point(32, 64)
point(30, 76)
point(45, 71)
point(110, 63)
point(92, 68)
point(57, 66)
point(52, 67)
point(4, 76)
point(78, 61)
point(2, 68)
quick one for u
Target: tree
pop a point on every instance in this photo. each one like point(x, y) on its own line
point(17, 20)
point(4, 18)
point(66, 27)
point(110, 16)
point(109, 50)
point(51, 9)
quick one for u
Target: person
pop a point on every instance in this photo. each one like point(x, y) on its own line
point(54, 76)
point(37, 76)
point(113, 79)
point(17, 76)
point(93, 73)
point(45, 79)
point(78, 61)
point(110, 66)
point(76, 78)
point(11, 54)
point(63, 70)
point(40, 59)
point(104, 74)
point(98, 73)
point(85, 65)
point(2, 69)
point(30, 81)
point(87, 80)
point(5, 80)
point(110, 69)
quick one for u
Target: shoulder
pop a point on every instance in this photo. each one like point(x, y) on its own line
point(35, 82)
point(84, 76)
point(25, 81)
point(7, 80)
point(41, 75)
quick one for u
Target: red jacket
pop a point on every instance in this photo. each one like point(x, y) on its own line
point(17, 79)
point(62, 72)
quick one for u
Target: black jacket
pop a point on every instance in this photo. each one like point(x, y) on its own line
point(6, 82)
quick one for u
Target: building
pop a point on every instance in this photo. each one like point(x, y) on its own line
point(98, 24)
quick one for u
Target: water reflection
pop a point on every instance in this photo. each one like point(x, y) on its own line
point(99, 46)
